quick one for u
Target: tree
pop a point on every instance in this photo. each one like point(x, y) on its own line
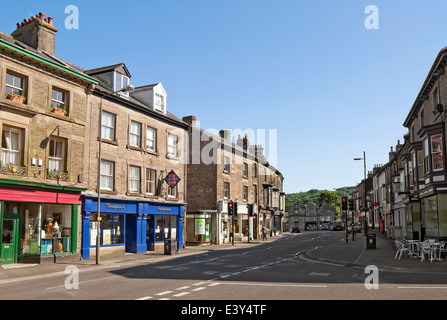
point(329, 197)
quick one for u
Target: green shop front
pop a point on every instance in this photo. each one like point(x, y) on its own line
point(38, 222)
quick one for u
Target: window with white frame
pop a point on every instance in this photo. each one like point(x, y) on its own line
point(151, 139)
point(245, 193)
point(56, 155)
point(135, 134)
point(134, 179)
point(226, 164)
point(58, 99)
point(245, 170)
point(172, 145)
point(11, 146)
point(173, 191)
point(107, 175)
point(159, 102)
point(121, 81)
point(151, 176)
point(108, 123)
point(14, 84)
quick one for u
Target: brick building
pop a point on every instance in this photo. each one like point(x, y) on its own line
point(220, 171)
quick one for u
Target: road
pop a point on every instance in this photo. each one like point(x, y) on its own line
point(267, 272)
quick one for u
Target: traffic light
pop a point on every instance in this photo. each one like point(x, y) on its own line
point(344, 203)
point(351, 204)
point(230, 208)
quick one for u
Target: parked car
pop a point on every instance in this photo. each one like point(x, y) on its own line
point(324, 226)
point(355, 227)
point(337, 226)
point(295, 229)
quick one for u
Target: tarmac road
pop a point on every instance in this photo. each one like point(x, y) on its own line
point(312, 265)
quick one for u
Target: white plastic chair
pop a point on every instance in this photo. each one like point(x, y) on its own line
point(401, 249)
point(426, 249)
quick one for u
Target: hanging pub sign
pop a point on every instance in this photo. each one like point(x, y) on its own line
point(172, 179)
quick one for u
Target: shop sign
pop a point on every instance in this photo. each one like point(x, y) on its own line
point(172, 179)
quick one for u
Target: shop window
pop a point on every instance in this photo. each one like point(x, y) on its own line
point(56, 229)
point(112, 229)
point(165, 228)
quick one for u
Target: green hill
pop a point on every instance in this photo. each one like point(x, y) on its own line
point(315, 196)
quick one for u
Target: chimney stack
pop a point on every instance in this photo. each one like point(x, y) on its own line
point(191, 120)
point(38, 32)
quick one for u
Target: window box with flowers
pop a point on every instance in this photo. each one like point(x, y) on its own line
point(58, 111)
point(15, 97)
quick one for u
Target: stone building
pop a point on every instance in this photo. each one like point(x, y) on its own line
point(43, 123)
point(220, 171)
point(142, 176)
point(310, 216)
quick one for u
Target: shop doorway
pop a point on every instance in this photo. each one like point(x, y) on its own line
point(9, 241)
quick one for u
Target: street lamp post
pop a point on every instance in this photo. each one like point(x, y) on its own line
point(129, 88)
point(364, 184)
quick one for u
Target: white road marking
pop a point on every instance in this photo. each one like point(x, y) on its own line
point(164, 293)
point(183, 288)
point(145, 298)
point(181, 294)
point(198, 289)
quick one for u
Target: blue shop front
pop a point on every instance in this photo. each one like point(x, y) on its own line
point(129, 226)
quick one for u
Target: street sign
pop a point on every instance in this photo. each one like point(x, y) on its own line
point(172, 179)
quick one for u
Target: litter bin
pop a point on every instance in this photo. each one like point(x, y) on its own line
point(371, 241)
point(170, 246)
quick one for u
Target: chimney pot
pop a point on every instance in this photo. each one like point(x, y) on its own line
point(38, 35)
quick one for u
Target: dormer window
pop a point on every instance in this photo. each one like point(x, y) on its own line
point(159, 102)
point(121, 81)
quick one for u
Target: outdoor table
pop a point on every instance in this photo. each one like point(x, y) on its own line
point(414, 249)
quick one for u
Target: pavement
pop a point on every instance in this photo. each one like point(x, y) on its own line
point(353, 253)
point(357, 254)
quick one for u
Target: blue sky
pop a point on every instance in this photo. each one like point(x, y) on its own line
point(308, 69)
